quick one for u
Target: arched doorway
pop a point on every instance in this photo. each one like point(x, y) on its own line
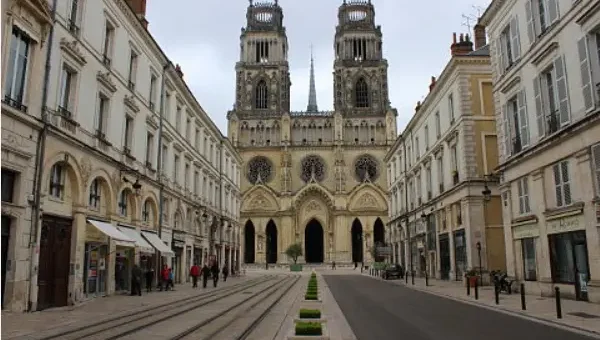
point(249, 237)
point(379, 236)
point(357, 241)
point(271, 242)
point(313, 242)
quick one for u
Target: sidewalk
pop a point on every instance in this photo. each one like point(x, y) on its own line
point(539, 308)
point(21, 324)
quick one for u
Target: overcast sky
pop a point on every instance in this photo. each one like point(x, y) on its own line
point(203, 37)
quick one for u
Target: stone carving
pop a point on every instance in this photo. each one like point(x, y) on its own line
point(130, 102)
point(12, 139)
point(86, 169)
point(340, 179)
point(259, 202)
point(367, 201)
point(313, 206)
point(106, 80)
point(72, 49)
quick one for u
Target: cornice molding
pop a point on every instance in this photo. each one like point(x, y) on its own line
point(71, 48)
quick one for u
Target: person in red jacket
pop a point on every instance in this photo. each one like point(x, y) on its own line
point(194, 273)
point(164, 275)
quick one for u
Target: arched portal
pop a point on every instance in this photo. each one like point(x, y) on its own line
point(378, 236)
point(313, 242)
point(249, 237)
point(357, 241)
point(271, 242)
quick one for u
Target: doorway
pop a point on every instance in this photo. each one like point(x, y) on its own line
point(249, 239)
point(357, 241)
point(6, 222)
point(379, 238)
point(313, 242)
point(444, 257)
point(271, 242)
point(55, 256)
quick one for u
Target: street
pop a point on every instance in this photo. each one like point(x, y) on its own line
point(379, 310)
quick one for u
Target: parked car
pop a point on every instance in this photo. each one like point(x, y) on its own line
point(393, 271)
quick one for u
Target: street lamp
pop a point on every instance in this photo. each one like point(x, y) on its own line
point(426, 255)
point(478, 245)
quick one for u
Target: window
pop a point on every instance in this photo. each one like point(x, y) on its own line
point(109, 31)
point(587, 78)
point(523, 191)
point(16, 71)
point(568, 256)
point(57, 180)
point(94, 201)
point(417, 148)
point(551, 98)
point(541, 14)
point(205, 146)
point(362, 93)
point(178, 118)
point(8, 185)
point(510, 46)
point(186, 178)
point(596, 166)
point(102, 116)
point(149, 149)
point(197, 182)
point(167, 104)
point(440, 169)
point(67, 84)
point(426, 137)
point(516, 124)
point(188, 128)
point(262, 95)
point(74, 17)
point(438, 125)
point(529, 265)
point(128, 135)
point(133, 58)
point(262, 51)
point(454, 158)
point(164, 156)
point(562, 183)
point(146, 209)
point(428, 184)
point(451, 108)
point(123, 197)
point(197, 140)
point(152, 95)
point(176, 168)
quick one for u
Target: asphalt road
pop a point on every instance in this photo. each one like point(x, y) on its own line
point(381, 310)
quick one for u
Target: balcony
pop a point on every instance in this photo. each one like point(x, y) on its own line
point(151, 106)
point(455, 177)
point(441, 188)
point(64, 120)
point(552, 122)
point(17, 104)
point(429, 195)
point(106, 60)
point(103, 143)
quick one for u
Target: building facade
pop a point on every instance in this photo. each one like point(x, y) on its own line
point(312, 177)
point(132, 171)
point(441, 223)
point(545, 58)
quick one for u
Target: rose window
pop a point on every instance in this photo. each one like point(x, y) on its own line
point(313, 167)
point(260, 169)
point(365, 168)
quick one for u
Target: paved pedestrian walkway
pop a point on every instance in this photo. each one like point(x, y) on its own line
point(20, 324)
point(539, 308)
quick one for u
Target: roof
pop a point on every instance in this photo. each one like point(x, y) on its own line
point(481, 52)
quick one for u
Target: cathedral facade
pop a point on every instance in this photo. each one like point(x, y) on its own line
point(314, 177)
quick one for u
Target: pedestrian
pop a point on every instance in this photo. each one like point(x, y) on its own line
point(333, 265)
point(195, 272)
point(136, 280)
point(171, 281)
point(149, 278)
point(164, 278)
point(355, 265)
point(225, 272)
point(205, 274)
point(214, 270)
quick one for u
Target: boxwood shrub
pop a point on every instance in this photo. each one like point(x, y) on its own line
point(309, 328)
point(310, 313)
point(310, 296)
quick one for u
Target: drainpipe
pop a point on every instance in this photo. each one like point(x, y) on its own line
point(159, 165)
point(408, 236)
point(39, 161)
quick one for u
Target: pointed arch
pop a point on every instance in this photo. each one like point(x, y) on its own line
point(249, 242)
point(357, 241)
point(261, 95)
point(271, 242)
point(361, 93)
point(314, 189)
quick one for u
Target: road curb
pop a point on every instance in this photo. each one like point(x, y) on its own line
point(499, 309)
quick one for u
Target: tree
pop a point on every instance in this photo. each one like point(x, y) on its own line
point(294, 251)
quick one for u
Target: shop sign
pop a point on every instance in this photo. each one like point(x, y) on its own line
point(565, 224)
point(526, 231)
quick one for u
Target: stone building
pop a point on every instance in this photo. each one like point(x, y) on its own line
point(546, 64)
point(123, 137)
point(441, 222)
point(312, 177)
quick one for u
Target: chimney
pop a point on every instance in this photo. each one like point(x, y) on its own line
point(462, 46)
point(479, 34)
point(178, 70)
point(139, 8)
point(432, 85)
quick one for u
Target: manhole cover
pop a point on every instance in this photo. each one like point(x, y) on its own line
point(584, 315)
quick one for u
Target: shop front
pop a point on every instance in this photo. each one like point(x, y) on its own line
point(165, 253)
point(97, 255)
point(460, 253)
point(178, 246)
point(143, 250)
point(198, 251)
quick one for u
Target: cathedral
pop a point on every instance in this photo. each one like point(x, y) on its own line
point(316, 178)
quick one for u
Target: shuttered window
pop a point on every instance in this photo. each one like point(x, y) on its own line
point(562, 183)
point(596, 166)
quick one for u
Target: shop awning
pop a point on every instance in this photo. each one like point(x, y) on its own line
point(158, 244)
point(140, 242)
point(114, 233)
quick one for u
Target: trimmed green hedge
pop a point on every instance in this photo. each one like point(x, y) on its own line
point(309, 328)
point(311, 296)
point(310, 314)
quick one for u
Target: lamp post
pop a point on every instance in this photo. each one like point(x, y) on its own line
point(487, 196)
point(137, 186)
point(424, 221)
point(478, 245)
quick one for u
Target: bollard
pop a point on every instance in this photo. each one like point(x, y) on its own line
point(468, 287)
point(412, 277)
point(406, 277)
point(426, 279)
point(558, 306)
point(497, 293)
point(523, 305)
point(476, 290)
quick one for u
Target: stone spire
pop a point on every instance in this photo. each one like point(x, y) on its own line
point(312, 92)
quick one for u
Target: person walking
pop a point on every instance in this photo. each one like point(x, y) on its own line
point(164, 278)
point(205, 274)
point(171, 281)
point(194, 273)
point(136, 280)
point(149, 279)
point(225, 272)
point(333, 265)
point(214, 270)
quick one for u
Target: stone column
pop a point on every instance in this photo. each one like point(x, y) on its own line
point(77, 254)
point(229, 259)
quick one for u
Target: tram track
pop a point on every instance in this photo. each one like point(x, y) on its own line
point(233, 316)
point(164, 312)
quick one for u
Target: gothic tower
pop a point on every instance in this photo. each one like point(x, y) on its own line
point(262, 73)
point(360, 71)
